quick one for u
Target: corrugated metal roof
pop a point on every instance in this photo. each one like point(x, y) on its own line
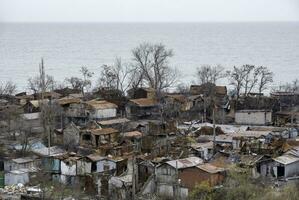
point(54, 151)
point(114, 121)
point(23, 160)
point(286, 159)
point(30, 116)
point(133, 134)
point(210, 168)
point(36, 103)
point(99, 105)
point(185, 162)
point(67, 100)
point(103, 131)
point(144, 102)
point(95, 157)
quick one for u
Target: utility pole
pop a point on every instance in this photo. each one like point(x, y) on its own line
point(214, 131)
point(46, 120)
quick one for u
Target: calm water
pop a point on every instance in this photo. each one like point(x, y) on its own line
point(67, 47)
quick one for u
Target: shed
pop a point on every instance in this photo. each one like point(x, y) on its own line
point(101, 109)
point(253, 117)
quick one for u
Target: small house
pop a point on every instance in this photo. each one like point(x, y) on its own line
point(71, 135)
point(206, 172)
point(142, 108)
point(34, 106)
point(100, 164)
point(253, 117)
point(99, 136)
point(21, 163)
point(118, 123)
point(100, 109)
point(287, 165)
point(138, 93)
point(178, 101)
point(16, 176)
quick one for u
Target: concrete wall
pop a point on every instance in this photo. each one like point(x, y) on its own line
point(253, 117)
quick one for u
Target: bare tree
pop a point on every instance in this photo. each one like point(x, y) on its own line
point(116, 76)
point(209, 74)
point(83, 83)
point(8, 88)
point(34, 84)
point(236, 78)
point(265, 78)
point(152, 62)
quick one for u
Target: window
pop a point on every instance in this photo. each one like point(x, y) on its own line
point(106, 167)
point(86, 137)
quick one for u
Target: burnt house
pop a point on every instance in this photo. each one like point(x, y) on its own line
point(177, 101)
point(34, 106)
point(98, 137)
point(71, 135)
point(208, 89)
point(286, 100)
point(142, 108)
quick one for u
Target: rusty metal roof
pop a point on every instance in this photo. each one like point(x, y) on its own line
point(212, 169)
point(68, 100)
point(95, 157)
point(185, 162)
point(103, 131)
point(100, 105)
point(133, 134)
point(144, 102)
point(114, 121)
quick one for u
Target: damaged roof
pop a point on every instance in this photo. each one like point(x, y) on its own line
point(95, 157)
point(103, 131)
point(68, 100)
point(100, 105)
point(114, 121)
point(52, 151)
point(23, 160)
point(133, 134)
point(144, 102)
point(36, 103)
point(178, 97)
point(212, 169)
point(185, 162)
point(286, 159)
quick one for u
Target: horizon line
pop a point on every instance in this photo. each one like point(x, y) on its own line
point(149, 22)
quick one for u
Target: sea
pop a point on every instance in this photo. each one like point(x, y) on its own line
point(66, 47)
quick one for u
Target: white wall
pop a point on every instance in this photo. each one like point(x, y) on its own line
point(104, 113)
point(68, 169)
point(13, 179)
point(253, 118)
point(101, 163)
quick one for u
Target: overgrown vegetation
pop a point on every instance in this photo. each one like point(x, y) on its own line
point(240, 186)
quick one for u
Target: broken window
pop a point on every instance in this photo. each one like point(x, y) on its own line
point(86, 137)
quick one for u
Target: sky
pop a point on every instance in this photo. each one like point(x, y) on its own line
point(148, 10)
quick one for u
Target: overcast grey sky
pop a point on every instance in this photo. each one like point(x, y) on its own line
point(147, 10)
